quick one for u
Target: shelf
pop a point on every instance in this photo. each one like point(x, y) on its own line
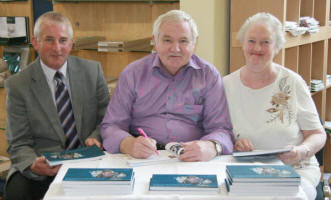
point(323, 34)
point(291, 41)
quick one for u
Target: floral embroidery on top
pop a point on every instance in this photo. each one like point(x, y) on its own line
point(279, 102)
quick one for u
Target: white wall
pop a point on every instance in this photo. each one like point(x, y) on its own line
point(211, 17)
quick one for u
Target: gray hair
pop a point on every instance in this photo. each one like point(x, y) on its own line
point(54, 17)
point(175, 16)
point(270, 21)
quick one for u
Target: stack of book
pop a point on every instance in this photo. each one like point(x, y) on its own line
point(184, 184)
point(316, 85)
point(98, 181)
point(143, 44)
point(261, 180)
point(74, 155)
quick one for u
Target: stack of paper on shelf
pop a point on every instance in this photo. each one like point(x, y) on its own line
point(98, 181)
point(311, 23)
point(316, 85)
point(143, 44)
point(74, 155)
point(294, 28)
point(90, 42)
point(184, 183)
point(261, 180)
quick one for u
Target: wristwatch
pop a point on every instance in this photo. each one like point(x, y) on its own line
point(218, 147)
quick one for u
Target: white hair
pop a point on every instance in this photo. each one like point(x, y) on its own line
point(175, 16)
point(54, 17)
point(270, 21)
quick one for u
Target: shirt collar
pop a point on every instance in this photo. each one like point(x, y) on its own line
point(50, 72)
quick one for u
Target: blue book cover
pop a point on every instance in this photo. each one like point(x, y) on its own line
point(99, 175)
point(74, 155)
point(183, 182)
point(261, 173)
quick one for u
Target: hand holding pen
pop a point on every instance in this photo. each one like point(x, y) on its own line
point(141, 132)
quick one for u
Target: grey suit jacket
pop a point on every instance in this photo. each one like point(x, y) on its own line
point(33, 126)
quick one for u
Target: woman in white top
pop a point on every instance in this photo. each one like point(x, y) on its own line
point(270, 105)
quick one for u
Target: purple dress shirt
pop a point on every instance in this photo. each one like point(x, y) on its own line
point(189, 106)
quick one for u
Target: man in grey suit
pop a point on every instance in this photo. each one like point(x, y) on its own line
point(34, 122)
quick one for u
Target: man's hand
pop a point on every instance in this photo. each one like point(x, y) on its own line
point(198, 150)
point(41, 167)
point(139, 147)
point(93, 141)
point(243, 145)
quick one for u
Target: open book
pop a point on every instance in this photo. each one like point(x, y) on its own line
point(259, 153)
point(74, 155)
point(172, 151)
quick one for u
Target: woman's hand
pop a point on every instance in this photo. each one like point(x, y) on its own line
point(296, 154)
point(243, 145)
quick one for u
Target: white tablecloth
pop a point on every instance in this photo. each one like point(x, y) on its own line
point(144, 173)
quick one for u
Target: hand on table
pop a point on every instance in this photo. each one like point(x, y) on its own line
point(140, 147)
point(198, 150)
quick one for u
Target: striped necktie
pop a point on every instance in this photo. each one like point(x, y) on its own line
point(64, 110)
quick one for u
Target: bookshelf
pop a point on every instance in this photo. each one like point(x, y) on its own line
point(115, 20)
point(12, 8)
point(308, 55)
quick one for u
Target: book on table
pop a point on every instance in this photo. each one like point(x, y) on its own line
point(172, 151)
point(261, 180)
point(186, 183)
point(98, 181)
point(74, 155)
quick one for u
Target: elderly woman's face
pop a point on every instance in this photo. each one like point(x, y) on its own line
point(259, 46)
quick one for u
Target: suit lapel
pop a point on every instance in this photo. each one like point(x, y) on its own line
point(77, 92)
point(40, 89)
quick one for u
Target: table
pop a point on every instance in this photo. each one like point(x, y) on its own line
point(144, 173)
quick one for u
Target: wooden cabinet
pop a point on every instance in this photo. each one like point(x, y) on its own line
point(309, 55)
point(19, 8)
point(115, 20)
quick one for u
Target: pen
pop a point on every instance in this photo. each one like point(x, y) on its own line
point(141, 131)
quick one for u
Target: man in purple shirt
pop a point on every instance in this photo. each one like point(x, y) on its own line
point(173, 95)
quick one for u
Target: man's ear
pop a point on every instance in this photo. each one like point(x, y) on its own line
point(34, 42)
point(154, 41)
point(196, 43)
